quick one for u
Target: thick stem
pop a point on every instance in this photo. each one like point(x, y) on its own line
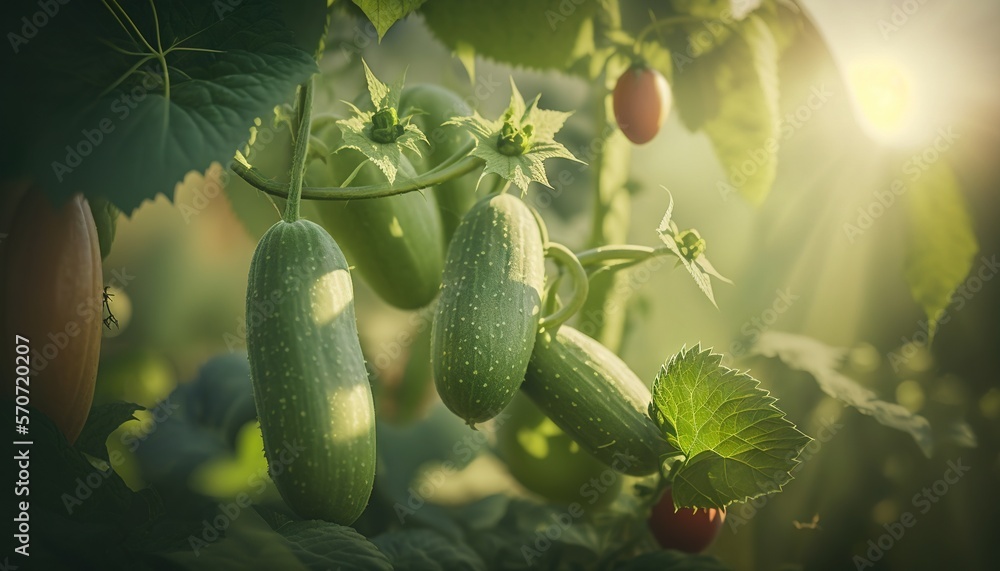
point(565, 258)
point(301, 149)
point(458, 165)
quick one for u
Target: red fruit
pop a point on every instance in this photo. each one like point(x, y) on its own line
point(685, 529)
point(642, 102)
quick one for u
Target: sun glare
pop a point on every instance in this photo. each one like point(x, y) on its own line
point(326, 307)
point(884, 98)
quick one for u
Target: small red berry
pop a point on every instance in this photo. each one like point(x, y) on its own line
point(641, 103)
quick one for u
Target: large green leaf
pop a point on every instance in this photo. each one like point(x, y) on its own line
point(427, 550)
point(785, 20)
point(518, 534)
point(546, 34)
point(101, 422)
point(822, 361)
point(737, 444)
point(696, 97)
point(712, 23)
point(106, 221)
point(745, 131)
point(248, 543)
point(384, 13)
point(732, 94)
point(82, 512)
point(941, 244)
point(322, 545)
point(103, 121)
point(404, 450)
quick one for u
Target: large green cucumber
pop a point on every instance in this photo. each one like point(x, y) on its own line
point(396, 242)
point(310, 385)
point(431, 106)
point(592, 395)
point(487, 316)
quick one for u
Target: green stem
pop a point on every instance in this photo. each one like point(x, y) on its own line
point(448, 170)
point(629, 252)
point(300, 152)
point(542, 228)
point(565, 258)
point(668, 478)
point(550, 300)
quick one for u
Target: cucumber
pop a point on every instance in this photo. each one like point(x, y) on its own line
point(546, 461)
point(431, 106)
point(594, 397)
point(396, 242)
point(487, 316)
point(309, 380)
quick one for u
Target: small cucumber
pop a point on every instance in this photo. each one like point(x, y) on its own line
point(594, 397)
point(487, 316)
point(395, 242)
point(309, 380)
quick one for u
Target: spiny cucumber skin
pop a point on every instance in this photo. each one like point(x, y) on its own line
point(592, 395)
point(309, 379)
point(487, 316)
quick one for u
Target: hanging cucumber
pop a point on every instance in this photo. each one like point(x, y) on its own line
point(311, 389)
point(395, 242)
point(487, 317)
point(591, 394)
point(431, 106)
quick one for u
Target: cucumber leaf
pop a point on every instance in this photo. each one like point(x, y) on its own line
point(323, 545)
point(732, 94)
point(86, 512)
point(106, 221)
point(428, 550)
point(745, 131)
point(541, 34)
point(101, 422)
point(941, 244)
point(249, 543)
point(737, 445)
point(384, 13)
point(105, 118)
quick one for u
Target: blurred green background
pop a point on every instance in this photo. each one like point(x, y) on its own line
point(181, 276)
